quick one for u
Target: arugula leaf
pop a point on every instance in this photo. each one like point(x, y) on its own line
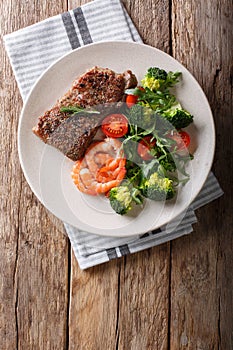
point(150, 168)
point(133, 173)
point(172, 78)
point(158, 101)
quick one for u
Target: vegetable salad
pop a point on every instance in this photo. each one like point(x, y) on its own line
point(145, 151)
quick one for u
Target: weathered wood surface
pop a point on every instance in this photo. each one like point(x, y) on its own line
point(201, 284)
point(175, 296)
point(33, 249)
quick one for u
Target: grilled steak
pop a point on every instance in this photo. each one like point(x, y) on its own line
point(73, 134)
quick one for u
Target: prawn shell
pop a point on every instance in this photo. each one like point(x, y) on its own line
point(75, 174)
point(102, 167)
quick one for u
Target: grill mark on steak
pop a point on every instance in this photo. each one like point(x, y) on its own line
point(72, 135)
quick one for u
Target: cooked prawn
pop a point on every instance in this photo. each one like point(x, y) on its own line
point(106, 186)
point(102, 168)
point(86, 183)
point(82, 177)
point(102, 158)
point(113, 164)
point(109, 146)
point(112, 169)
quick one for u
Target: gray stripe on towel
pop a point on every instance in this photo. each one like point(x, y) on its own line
point(82, 25)
point(70, 30)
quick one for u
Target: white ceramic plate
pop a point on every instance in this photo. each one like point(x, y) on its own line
point(48, 171)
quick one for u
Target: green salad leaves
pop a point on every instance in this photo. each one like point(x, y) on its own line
point(155, 147)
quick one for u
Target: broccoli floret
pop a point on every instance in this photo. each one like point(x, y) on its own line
point(159, 79)
point(122, 197)
point(140, 115)
point(157, 187)
point(135, 114)
point(178, 117)
point(157, 73)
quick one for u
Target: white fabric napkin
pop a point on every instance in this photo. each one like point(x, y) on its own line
point(31, 50)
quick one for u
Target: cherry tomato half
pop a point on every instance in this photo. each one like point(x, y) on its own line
point(182, 139)
point(144, 147)
point(131, 100)
point(115, 125)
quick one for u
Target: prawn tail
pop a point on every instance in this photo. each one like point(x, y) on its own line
point(105, 187)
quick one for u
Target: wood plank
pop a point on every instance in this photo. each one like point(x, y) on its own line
point(33, 248)
point(201, 284)
point(124, 304)
point(152, 19)
point(72, 4)
point(144, 291)
point(93, 306)
point(143, 320)
point(93, 298)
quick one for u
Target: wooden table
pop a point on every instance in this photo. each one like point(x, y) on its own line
point(175, 296)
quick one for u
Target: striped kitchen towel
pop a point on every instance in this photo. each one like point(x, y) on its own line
point(91, 249)
point(32, 50)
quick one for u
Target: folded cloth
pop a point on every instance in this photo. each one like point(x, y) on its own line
point(32, 49)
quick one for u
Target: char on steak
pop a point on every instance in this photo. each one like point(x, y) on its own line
point(73, 134)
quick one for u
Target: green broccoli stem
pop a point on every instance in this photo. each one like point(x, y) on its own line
point(137, 196)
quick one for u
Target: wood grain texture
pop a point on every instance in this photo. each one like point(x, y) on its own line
point(94, 307)
point(175, 296)
point(144, 300)
point(33, 248)
point(201, 285)
point(152, 19)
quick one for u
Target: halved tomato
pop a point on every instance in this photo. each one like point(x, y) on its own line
point(144, 147)
point(182, 139)
point(115, 125)
point(131, 100)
